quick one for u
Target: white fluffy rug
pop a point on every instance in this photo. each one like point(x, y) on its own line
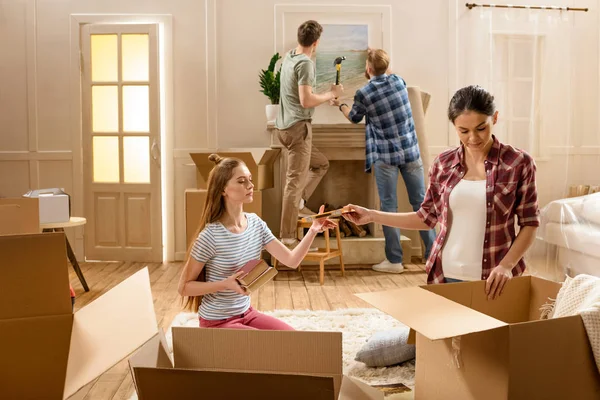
point(356, 324)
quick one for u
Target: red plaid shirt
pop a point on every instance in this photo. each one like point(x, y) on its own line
point(510, 191)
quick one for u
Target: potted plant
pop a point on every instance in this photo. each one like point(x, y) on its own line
point(269, 83)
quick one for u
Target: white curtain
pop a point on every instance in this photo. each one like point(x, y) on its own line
point(524, 57)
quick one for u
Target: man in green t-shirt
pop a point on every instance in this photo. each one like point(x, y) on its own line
point(306, 164)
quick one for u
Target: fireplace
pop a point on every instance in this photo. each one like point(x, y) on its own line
point(345, 182)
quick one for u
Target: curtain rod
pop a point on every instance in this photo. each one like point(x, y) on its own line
point(472, 5)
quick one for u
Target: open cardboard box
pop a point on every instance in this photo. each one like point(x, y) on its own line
point(226, 364)
point(259, 161)
point(469, 347)
point(47, 351)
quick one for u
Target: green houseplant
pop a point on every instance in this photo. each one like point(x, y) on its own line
point(269, 84)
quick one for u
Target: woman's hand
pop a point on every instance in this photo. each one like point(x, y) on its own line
point(232, 284)
point(322, 224)
point(335, 102)
point(359, 215)
point(496, 281)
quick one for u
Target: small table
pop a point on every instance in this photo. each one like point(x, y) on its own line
point(60, 227)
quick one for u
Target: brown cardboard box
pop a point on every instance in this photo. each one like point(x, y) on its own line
point(223, 364)
point(259, 161)
point(47, 351)
point(19, 216)
point(469, 347)
point(194, 203)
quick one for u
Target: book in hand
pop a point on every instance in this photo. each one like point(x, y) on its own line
point(256, 274)
point(327, 214)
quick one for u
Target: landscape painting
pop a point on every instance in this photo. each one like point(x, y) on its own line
point(337, 40)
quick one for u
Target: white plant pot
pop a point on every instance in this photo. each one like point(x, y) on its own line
point(272, 110)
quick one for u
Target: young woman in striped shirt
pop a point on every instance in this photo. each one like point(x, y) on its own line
point(475, 191)
point(228, 238)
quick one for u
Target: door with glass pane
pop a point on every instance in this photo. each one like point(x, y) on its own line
point(121, 142)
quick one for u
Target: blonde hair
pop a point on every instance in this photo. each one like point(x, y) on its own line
point(379, 61)
point(213, 210)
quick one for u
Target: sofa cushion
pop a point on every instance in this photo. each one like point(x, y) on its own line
point(566, 211)
point(584, 237)
point(590, 210)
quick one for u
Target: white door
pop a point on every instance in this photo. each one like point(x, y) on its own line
point(121, 142)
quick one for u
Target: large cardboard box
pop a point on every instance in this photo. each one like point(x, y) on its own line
point(259, 161)
point(469, 347)
point(47, 351)
point(194, 204)
point(224, 364)
point(19, 216)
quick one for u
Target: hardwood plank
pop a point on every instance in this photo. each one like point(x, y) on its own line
point(316, 296)
point(300, 298)
point(344, 291)
point(283, 295)
point(370, 280)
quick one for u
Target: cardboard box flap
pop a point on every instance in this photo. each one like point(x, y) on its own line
point(542, 291)
point(153, 354)
point(353, 389)
point(159, 384)
point(109, 329)
point(19, 216)
point(430, 314)
point(241, 350)
point(258, 160)
point(39, 285)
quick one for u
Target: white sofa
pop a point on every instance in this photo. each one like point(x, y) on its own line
point(571, 229)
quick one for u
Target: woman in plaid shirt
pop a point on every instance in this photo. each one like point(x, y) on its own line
point(475, 191)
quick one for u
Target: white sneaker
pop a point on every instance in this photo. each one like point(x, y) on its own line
point(304, 211)
point(386, 266)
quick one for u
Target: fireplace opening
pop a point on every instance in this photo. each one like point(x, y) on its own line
point(346, 183)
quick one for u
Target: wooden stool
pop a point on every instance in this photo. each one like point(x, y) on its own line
point(322, 254)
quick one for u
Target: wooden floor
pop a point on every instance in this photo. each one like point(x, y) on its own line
point(290, 290)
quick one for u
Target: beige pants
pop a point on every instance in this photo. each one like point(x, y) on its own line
point(305, 169)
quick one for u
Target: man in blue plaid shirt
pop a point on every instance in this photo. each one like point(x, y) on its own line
point(391, 148)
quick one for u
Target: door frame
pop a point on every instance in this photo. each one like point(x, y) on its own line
point(165, 44)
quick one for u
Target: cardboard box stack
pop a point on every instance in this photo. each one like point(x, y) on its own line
point(260, 162)
point(469, 347)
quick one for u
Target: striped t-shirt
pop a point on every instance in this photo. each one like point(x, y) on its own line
point(224, 253)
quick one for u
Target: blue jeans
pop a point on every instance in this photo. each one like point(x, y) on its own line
point(452, 280)
point(386, 177)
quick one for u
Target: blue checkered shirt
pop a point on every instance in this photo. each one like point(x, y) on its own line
point(390, 128)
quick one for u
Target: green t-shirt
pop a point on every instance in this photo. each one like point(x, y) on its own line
point(296, 69)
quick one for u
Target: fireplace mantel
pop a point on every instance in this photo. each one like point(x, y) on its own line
point(336, 141)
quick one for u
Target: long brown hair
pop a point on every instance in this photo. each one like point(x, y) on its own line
point(214, 208)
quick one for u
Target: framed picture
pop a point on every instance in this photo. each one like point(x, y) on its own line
point(347, 31)
point(342, 40)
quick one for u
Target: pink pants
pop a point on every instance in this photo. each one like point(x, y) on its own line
point(251, 319)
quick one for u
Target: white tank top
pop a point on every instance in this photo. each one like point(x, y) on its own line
point(463, 251)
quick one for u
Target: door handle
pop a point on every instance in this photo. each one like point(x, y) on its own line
point(153, 150)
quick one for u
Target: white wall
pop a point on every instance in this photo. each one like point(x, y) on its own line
point(218, 49)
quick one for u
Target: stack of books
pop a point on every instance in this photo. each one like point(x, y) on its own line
point(256, 274)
